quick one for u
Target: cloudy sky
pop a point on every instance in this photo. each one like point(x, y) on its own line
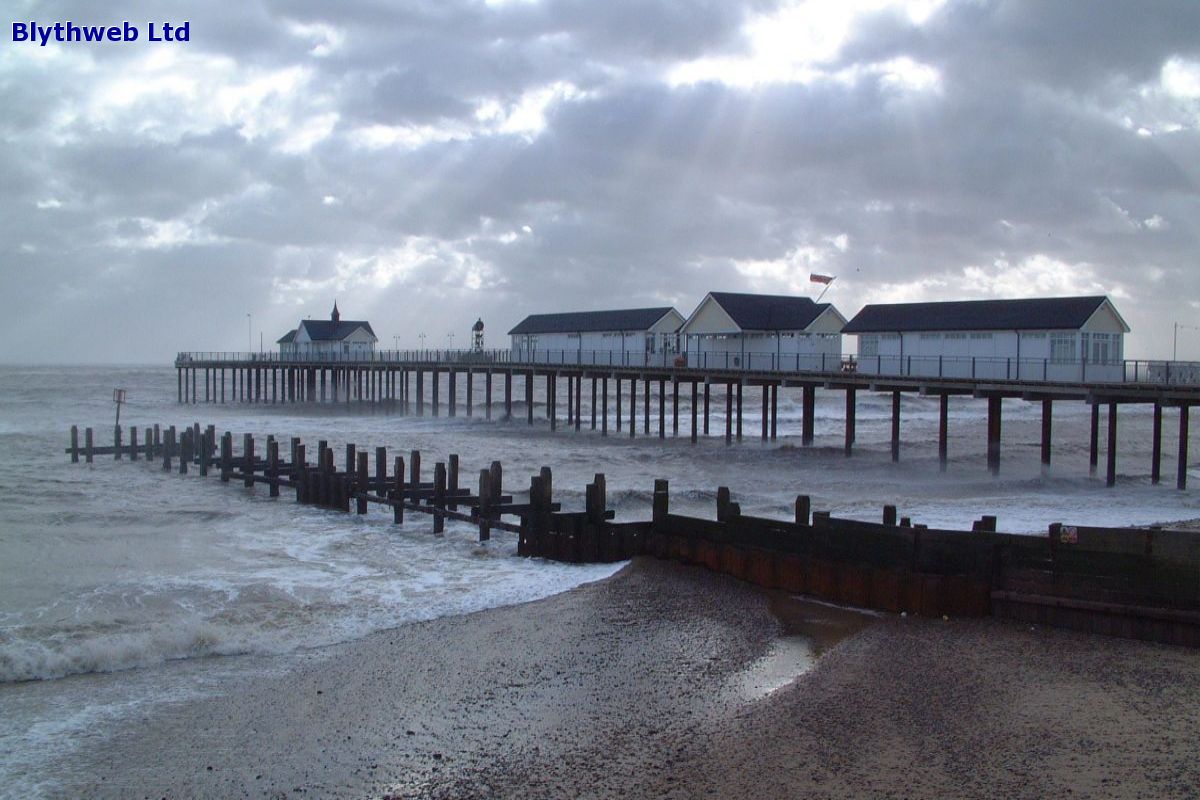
point(430, 161)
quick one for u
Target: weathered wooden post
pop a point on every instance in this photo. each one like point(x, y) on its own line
point(74, 444)
point(87, 445)
point(722, 503)
point(485, 503)
point(850, 408)
point(1110, 472)
point(889, 515)
point(350, 459)
point(364, 483)
point(157, 438)
point(1047, 427)
point(398, 505)
point(204, 454)
point(116, 443)
point(895, 425)
point(247, 460)
point(168, 443)
point(1094, 442)
point(803, 509)
point(994, 422)
point(439, 497)
point(272, 467)
point(133, 443)
point(695, 390)
point(414, 467)
point(766, 411)
point(300, 474)
point(185, 450)
point(1181, 462)
point(497, 472)
point(1156, 446)
point(728, 414)
point(452, 482)
point(660, 503)
point(739, 409)
point(381, 485)
point(599, 498)
point(149, 445)
point(226, 456)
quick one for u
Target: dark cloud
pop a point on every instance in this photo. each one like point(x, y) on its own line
point(431, 162)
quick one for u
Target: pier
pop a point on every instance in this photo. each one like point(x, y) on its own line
point(1139, 583)
point(429, 382)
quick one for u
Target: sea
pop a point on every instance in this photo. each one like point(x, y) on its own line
point(123, 588)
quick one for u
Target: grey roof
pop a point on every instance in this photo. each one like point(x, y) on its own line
point(769, 312)
point(1044, 313)
point(626, 319)
point(324, 330)
point(287, 338)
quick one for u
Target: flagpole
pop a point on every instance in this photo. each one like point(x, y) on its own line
point(826, 289)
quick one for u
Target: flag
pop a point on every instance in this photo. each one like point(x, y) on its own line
point(816, 278)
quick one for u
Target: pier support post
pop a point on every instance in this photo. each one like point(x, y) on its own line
point(529, 396)
point(470, 393)
point(435, 381)
point(728, 414)
point(1110, 456)
point(707, 394)
point(618, 388)
point(1156, 446)
point(487, 391)
point(452, 393)
point(552, 399)
point(943, 430)
point(766, 411)
point(850, 407)
point(1047, 426)
point(646, 406)
point(809, 402)
point(578, 400)
point(508, 376)
point(74, 444)
point(179, 385)
point(593, 402)
point(1094, 443)
point(420, 392)
point(993, 443)
point(895, 425)
point(632, 407)
point(1181, 468)
point(675, 406)
point(695, 392)
point(662, 408)
point(739, 409)
point(414, 469)
point(604, 406)
point(774, 411)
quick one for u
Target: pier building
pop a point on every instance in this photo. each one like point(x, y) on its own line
point(631, 337)
point(334, 338)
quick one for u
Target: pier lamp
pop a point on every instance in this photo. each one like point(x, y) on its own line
point(421, 336)
point(249, 334)
point(450, 339)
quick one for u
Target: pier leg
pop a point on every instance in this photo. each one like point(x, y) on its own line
point(632, 407)
point(675, 406)
point(529, 396)
point(850, 391)
point(809, 402)
point(766, 411)
point(619, 423)
point(739, 409)
point(943, 429)
point(1110, 466)
point(508, 376)
point(452, 393)
point(728, 414)
point(74, 444)
point(895, 426)
point(993, 445)
point(1047, 426)
point(1156, 447)
point(435, 382)
point(662, 408)
point(604, 406)
point(222, 386)
point(774, 411)
point(707, 393)
point(487, 391)
point(179, 385)
point(579, 401)
point(593, 402)
point(1094, 445)
point(1181, 468)
point(695, 391)
point(324, 380)
point(552, 399)
point(646, 406)
point(420, 392)
point(193, 387)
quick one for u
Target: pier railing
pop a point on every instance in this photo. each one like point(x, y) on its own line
point(1155, 372)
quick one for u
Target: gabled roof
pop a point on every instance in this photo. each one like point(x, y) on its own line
point(769, 312)
point(287, 338)
point(324, 330)
point(626, 319)
point(1043, 313)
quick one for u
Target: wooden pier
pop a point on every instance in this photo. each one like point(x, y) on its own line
point(1138, 583)
point(411, 383)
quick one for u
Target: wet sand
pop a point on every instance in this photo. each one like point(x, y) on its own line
point(669, 681)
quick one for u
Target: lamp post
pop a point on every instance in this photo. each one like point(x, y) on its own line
point(1175, 338)
point(450, 339)
point(421, 336)
point(249, 334)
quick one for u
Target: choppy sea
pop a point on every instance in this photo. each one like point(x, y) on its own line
point(123, 587)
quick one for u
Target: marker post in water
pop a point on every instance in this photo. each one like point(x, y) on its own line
point(118, 398)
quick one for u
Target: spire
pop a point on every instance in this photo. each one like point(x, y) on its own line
point(335, 316)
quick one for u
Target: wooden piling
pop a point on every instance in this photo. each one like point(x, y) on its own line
point(1110, 471)
point(593, 404)
point(133, 443)
point(185, 450)
point(993, 430)
point(889, 515)
point(414, 467)
point(529, 397)
point(774, 411)
point(632, 407)
point(508, 376)
point(808, 412)
point(439, 497)
point(487, 394)
point(1094, 441)
point(766, 411)
point(74, 444)
point(578, 400)
point(695, 392)
point(497, 472)
point(646, 406)
point(552, 399)
point(273, 468)
point(398, 491)
point(707, 397)
point(485, 501)
point(226, 456)
point(1156, 446)
point(617, 378)
point(803, 509)
point(116, 443)
point(739, 409)
point(88, 447)
point(661, 503)
point(604, 405)
point(943, 430)
point(850, 407)
point(728, 414)
point(362, 484)
point(299, 473)
point(452, 480)
point(1181, 468)
point(351, 458)
point(895, 425)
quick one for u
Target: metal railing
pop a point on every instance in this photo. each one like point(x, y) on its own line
point(1172, 373)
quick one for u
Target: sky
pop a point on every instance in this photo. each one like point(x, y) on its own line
point(431, 162)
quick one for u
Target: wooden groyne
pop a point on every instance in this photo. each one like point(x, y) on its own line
point(1136, 583)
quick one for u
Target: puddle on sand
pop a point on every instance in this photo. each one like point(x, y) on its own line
point(810, 629)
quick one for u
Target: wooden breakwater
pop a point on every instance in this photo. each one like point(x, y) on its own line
point(1136, 583)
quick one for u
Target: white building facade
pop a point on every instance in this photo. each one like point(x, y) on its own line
point(623, 337)
point(329, 340)
point(769, 332)
point(1059, 338)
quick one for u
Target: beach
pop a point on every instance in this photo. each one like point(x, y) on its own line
point(669, 681)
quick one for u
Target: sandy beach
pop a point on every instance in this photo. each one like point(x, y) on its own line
point(668, 681)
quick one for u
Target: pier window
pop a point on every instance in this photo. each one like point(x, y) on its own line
point(1062, 347)
point(1100, 349)
point(981, 336)
point(868, 346)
